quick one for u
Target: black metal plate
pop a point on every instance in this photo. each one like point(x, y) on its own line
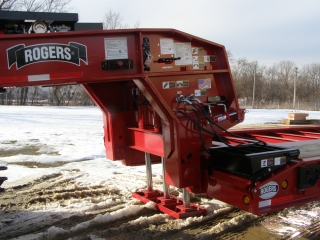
point(248, 160)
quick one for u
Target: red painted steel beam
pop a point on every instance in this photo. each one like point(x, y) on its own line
point(145, 141)
point(295, 136)
point(271, 139)
point(312, 134)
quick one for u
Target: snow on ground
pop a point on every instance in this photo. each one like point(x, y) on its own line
point(57, 134)
point(75, 135)
point(70, 141)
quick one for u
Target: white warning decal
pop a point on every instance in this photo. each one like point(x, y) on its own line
point(184, 51)
point(166, 46)
point(116, 48)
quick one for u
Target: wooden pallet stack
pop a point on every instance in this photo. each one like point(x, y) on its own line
point(299, 119)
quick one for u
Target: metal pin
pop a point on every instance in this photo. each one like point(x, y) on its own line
point(166, 194)
point(149, 172)
point(186, 198)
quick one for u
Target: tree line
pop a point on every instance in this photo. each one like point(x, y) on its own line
point(282, 85)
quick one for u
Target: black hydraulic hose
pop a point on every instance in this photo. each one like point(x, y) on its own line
point(202, 111)
point(200, 133)
point(214, 133)
point(193, 121)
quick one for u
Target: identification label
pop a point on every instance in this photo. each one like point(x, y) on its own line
point(184, 51)
point(116, 48)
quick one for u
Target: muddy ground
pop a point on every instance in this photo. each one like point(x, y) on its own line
point(47, 209)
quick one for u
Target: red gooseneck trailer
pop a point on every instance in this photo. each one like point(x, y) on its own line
point(167, 97)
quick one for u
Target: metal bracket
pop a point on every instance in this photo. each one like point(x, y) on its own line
point(308, 176)
point(173, 206)
point(117, 64)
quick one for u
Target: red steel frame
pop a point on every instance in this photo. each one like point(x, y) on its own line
point(156, 128)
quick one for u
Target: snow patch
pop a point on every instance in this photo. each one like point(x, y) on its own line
point(100, 219)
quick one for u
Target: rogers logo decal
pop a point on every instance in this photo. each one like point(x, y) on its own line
point(268, 190)
point(23, 56)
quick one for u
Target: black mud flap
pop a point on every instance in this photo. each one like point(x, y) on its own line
point(2, 179)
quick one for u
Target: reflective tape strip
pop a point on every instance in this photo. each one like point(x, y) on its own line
point(264, 203)
point(35, 78)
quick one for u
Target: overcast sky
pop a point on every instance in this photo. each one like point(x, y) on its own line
point(267, 31)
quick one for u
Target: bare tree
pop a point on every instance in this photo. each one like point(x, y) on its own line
point(23, 95)
point(44, 5)
point(242, 72)
point(113, 20)
point(230, 56)
point(36, 5)
point(309, 83)
point(34, 94)
point(8, 4)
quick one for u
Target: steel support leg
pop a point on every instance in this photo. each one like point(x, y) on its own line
point(149, 172)
point(166, 194)
point(172, 205)
point(186, 198)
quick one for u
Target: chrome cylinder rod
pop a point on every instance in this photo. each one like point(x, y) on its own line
point(186, 198)
point(166, 194)
point(149, 172)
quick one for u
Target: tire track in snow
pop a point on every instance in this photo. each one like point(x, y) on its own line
point(58, 207)
point(48, 194)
